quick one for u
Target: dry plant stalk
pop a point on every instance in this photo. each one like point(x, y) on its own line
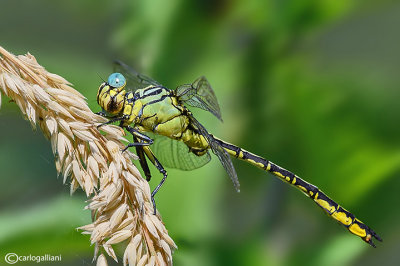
point(120, 198)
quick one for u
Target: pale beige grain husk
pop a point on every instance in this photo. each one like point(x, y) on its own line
point(119, 197)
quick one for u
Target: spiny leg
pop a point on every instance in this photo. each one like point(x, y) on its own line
point(149, 153)
point(112, 120)
point(103, 113)
point(143, 143)
point(145, 140)
point(140, 153)
point(143, 161)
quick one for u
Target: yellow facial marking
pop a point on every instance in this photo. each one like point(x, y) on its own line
point(111, 99)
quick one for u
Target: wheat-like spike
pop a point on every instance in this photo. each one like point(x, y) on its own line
point(121, 205)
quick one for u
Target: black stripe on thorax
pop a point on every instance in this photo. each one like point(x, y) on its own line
point(130, 100)
point(154, 92)
point(154, 101)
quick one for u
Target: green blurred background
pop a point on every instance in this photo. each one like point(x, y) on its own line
point(311, 85)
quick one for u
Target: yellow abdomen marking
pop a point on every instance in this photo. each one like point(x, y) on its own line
point(342, 217)
point(324, 204)
point(357, 230)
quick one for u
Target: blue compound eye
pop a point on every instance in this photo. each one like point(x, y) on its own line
point(116, 80)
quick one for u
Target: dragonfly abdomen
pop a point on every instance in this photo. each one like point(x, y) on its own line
point(196, 142)
point(333, 209)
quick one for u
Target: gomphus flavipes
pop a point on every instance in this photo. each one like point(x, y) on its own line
point(164, 130)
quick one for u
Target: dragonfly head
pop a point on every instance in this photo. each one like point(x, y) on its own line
point(111, 94)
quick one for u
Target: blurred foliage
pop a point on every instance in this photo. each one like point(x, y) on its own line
point(311, 85)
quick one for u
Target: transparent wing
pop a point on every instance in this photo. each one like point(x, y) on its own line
point(175, 154)
point(134, 79)
point(199, 94)
point(221, 153)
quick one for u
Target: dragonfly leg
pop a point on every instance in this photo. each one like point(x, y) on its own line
point(143, 161)
point(102, 113)
point(149, 153)
point(142, 142)
point(135, 144)
point(112, 120)
point(145, 140)
point(162, 170)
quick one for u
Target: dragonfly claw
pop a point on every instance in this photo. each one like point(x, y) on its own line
point(126, 147)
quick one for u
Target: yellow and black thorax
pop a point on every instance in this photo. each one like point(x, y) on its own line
point(152, 109)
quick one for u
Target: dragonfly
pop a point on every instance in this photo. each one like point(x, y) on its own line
point(165, 132)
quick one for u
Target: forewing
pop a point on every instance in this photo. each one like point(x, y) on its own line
point(185, 92)
point(175, 154)
point(199, 94)
point(134, 79)
point(221, 153)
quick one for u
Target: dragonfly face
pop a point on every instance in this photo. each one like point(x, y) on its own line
point(111, 94)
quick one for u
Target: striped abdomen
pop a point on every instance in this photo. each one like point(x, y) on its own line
point(333, 209)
